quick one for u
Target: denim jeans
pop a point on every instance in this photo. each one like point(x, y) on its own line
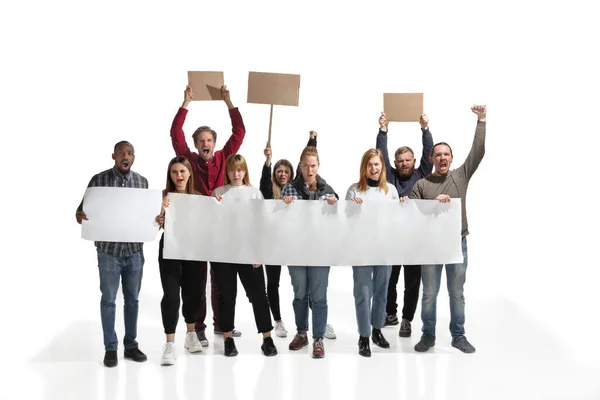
point(310, 285)
point(455, 278)
point(370, 282)
point(112, 269)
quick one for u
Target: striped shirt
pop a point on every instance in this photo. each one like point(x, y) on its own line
point(115, 178)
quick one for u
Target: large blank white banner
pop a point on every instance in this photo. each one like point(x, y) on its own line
point(117, 214)
point(313, 233)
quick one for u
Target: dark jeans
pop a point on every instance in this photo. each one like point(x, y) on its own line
point(190, 277)
point(273, 276)
point(253, 280)
point(214, 301)
point(129, 271)
point(412, 283)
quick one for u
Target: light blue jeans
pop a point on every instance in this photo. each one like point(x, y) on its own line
point(310, 285)
point(112, 269)
point(370, 282)
point(455, 276)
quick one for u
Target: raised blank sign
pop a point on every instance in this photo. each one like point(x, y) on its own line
point(206, 85)
point(403, 107)
point(276, 89)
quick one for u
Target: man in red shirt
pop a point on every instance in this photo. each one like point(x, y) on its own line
point(209, 172)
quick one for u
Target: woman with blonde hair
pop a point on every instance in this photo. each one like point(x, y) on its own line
point(189, 277)
point(371, 282)
point(309, 283)
point(237, 187)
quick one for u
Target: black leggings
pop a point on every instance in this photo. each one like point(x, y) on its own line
point(273, 275)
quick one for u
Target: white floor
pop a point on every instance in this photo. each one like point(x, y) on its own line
point(518, 356)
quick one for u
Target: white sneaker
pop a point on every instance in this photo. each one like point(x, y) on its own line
point(329, 332)
point(168, 354)
point(192, 343)
point(280, 330)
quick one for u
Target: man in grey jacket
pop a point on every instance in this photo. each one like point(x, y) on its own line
point(443, 185)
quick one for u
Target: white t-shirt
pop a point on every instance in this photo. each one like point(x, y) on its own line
point(372, 193)
point(238, 192)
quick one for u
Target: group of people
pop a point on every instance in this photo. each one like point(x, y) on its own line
point(224, 175)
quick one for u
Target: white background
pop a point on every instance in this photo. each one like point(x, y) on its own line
point(79, 76)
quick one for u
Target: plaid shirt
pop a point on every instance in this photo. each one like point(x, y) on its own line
point(115, 178)
point(290, 190)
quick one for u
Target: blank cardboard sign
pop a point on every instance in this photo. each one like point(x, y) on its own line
point(403, 107)
point(206, 85)
point(276, 89)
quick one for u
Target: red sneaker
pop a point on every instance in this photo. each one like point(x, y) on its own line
point(318, 349)
point(300, 340)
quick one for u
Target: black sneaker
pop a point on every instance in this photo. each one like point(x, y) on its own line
point(405, 330)
point(425, 343)
point(230, 349)
point(379, 340)
point(391, 320)
point(463, 345)
point(135, 355)
point(268, 347)
point(363, 346)
point(110, 359)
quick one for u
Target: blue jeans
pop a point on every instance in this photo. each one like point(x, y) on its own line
point(112, 269)
point(310, 285)
point(370, 282)
point(455, 277)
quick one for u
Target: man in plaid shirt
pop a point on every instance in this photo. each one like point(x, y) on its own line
point(119, 261)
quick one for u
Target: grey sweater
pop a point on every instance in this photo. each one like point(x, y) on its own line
point(456, 182)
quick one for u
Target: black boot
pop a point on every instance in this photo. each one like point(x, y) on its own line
point(379, 340)
point(363, 346)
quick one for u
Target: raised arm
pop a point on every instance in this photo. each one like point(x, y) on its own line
point(312, 141)
point(177, 135)
point(234, 142)
point(478, 147)
point(426, 166)
point(382, 143)
point(266, 186)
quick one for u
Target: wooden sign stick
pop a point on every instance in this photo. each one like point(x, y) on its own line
point(270, 124)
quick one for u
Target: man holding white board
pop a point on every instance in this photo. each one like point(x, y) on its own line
point(119, 261)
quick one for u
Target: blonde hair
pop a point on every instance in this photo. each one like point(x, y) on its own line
point(402, 150)
point(362, 182)
point(237, 161)
point(307, 152)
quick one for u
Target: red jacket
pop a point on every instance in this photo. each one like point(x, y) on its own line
point(210, 174)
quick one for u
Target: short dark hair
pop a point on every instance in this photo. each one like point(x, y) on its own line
point(204, 128)
point(120, 143)
point(440, 144)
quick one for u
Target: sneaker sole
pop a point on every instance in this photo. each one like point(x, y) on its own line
point(318, 356)
point(280, 334)
point(466, 352)
point(330, 337)
point(391, 323)
point(167, 362)
point(193, 350)
point(404, 334)
point(204, 343)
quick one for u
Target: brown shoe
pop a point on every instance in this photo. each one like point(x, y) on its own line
point(300, 340)
point(318, 349)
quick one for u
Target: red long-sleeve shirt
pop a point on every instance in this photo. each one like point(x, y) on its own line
point(210, 174)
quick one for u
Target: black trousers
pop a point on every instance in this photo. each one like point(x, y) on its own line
point(190, 278)
point(273, 277)
point(412, 284)
point(253, 280)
